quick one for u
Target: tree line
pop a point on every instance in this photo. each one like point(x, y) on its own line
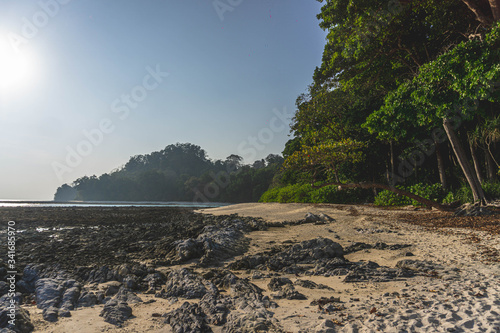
point(180, 172)
point(407, 92)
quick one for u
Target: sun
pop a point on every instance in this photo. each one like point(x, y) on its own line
point(17, 68)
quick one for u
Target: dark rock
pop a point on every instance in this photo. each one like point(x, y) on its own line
point(23, 322)
point(48, 293)
point(70, 295)
point(183, 283)
point(110, 288)
point(50, 313)
point(277, 283)
point(419, 265)
point(286, 258)
point(116, 312)
point(188, 318)
point(355, 247)
point(256, 321)
point(86, 299)
point(216, 308)
point(310, 284)
point(288, 291)
point(331, 267)
point(371, 271)
point(4, 288)
point(100, 275)
point(155, 280)
point(127, 296)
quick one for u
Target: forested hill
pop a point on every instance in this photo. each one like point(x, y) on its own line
point(180, 172)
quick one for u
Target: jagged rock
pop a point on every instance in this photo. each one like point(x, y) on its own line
point(371, 271)
point(4, 288)
point(100, 275)
point(86, 299)
point(310, 284)
point(277, 283)
point(48, 293)
point(127, 296)
point(321, 218)
point(285, 258)
point(50, 313)
point(284, 288)
point(23, 322)
point(288, 291)
point(116, 312)
point(188, 318)
point(216, 308)
point(70, 294)
point(155, 280)
point(183, 283)
point(130, 281)
point(256, 321)
point(110, 288)
point(326, 326)
point(222, 240)
point(418, 265)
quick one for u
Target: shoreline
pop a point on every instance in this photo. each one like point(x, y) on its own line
point(462, 295)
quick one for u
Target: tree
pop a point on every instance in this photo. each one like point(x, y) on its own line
point(452, 89)
point(65, 193)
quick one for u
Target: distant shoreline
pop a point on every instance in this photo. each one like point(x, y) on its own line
point(42, 203)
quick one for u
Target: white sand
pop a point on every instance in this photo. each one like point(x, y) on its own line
point(422, 304)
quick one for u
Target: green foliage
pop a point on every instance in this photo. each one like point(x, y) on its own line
point(432, 192)
point(464, 194)
point(305, 193)
point(450, 86)
point(492, 190)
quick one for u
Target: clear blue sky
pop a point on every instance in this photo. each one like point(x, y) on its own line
point(84, 85)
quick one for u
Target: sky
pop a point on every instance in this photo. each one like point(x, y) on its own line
point(85, 85)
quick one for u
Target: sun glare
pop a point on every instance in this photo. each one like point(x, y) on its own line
point(17, 69)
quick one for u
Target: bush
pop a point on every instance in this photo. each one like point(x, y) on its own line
point(306, 194)
point(492, 190)
point(432, 192)
point(464, 193)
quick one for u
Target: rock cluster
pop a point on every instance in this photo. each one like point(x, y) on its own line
point(242, 308)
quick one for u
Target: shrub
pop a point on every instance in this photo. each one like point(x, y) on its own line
point(305, 193)
point(432, 192)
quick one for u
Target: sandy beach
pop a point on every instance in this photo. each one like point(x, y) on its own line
point(453, 285)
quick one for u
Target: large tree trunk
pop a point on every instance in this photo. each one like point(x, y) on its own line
point(479, 11)
point(392, 164)
point(490, 166)
point(428, 203)
point(475, 185)
point(441, 164)
point(475, 160)
point(495, 9)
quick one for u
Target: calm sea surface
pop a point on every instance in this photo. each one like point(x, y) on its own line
point(20, 203)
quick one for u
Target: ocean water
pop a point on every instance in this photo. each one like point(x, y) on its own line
point(186, 204)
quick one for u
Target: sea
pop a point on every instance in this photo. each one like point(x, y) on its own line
point(183, 204)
